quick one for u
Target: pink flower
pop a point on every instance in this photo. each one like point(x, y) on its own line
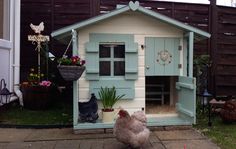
point(82, 62)
point(45, 83)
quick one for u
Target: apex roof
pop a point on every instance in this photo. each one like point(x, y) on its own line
point(133, 6)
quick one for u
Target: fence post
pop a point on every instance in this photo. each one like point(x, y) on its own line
point(94, 7)
point(213, 44)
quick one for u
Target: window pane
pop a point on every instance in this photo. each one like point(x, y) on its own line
point(119, 51)
point(104, 51)
point(1, 18)
point(5, 19)
point(104, 68)
point(119, 68)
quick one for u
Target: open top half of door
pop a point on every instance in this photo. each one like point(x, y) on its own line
point(186, 105)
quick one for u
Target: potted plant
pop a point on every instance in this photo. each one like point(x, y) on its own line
point(71, 68)
point(37, 94)
point(108, 98)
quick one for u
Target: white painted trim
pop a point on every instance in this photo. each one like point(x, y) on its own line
point(12, 31)
point(190, 59)
point(5, 44)
point(75, 83)
point(12, 34)
point(15, 37)
point(161, 115)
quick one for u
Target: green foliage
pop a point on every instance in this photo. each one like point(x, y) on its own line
point(223, 134)
point(108, 97)
point(201, 60)
point(200, 63)
point(64, 61)
point(59, 114)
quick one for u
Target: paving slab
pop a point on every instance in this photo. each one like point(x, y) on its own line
point(31, 145)
point(179, 135)
point(158, 145)
point(43, 144)
point(190, 144)
point(65, 138)
point(66, 134)
point(153, 138)
point(50, 134)
point(3, 145)
point(97, 144)
point(148, 145)
point(12, 134)
point(113, 144)
point(18, 145)
point(86, 144)
point(67, 144)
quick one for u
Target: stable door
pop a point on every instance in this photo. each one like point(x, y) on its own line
point(162, 56)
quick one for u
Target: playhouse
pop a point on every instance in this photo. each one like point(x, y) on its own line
point(145, 55)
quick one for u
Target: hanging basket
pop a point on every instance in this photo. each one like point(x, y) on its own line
point(70, 73)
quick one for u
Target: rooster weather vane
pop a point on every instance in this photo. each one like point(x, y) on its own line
point(37, 29)
point(38, 39)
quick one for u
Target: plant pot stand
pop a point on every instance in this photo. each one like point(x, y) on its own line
point(37, 97)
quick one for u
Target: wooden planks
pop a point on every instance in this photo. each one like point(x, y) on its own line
point(218, 20)
point(225, 69)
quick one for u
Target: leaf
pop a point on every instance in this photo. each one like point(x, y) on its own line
point(108, 97)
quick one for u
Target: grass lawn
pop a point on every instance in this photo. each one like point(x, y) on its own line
point(60, 113)
point(221, 133)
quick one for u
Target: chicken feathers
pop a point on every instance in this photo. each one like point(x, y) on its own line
point(132, 129)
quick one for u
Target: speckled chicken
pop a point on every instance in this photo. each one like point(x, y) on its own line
point(131, 130)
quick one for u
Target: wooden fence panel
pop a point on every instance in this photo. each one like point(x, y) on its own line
point(225, 73)
point(60, 13)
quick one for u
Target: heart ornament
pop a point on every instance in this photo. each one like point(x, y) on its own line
point(133, 5)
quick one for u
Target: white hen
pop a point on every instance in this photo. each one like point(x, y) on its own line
point(37, 28)
point(130, 130)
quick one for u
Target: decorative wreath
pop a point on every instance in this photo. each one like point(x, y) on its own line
point(164, 57)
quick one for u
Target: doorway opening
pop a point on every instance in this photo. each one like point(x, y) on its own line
point(160, 95)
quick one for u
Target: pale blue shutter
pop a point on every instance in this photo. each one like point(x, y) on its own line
point(123, 85)
point(131, 60)
point(92, 61)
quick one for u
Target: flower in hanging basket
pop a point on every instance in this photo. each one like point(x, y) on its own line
point(74, 60)
point(71, 68)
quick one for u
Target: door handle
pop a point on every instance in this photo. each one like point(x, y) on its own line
point(147, 67)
